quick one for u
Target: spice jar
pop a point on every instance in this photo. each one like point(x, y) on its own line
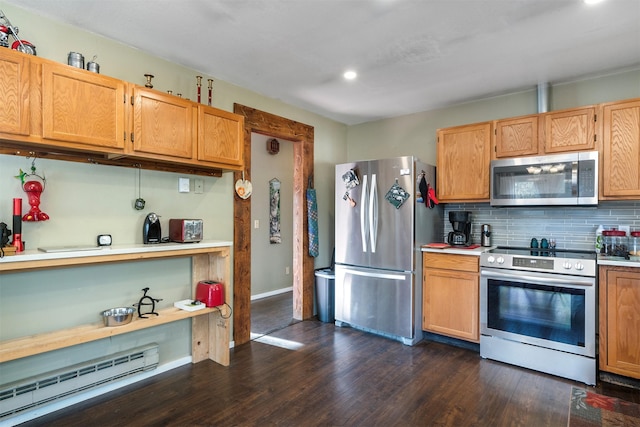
point(615, 243)
point(634, 244)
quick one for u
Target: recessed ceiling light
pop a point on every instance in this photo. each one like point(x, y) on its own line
point(350, 75)
point(592, 1)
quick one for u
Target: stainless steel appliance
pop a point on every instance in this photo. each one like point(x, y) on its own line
point(538, 310)
point(485, 235)
point(563, 179)
point(380, 225)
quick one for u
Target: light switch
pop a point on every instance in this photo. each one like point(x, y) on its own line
point(183, 185)
point(198, 186)
point(256, 223)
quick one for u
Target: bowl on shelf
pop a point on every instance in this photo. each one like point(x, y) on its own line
point(118, 316)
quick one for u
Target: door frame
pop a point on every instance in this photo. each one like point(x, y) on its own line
point(301, 135)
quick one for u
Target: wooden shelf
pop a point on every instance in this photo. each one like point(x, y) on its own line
point(41, 343)
point(31, 260)
point(209, 328)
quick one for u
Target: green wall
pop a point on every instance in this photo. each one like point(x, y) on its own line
point(85, 200)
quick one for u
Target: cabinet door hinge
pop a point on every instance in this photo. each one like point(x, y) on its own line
point(595, 138)
point(595, 117)
point(131, 136)
point(124, 136)
point(124, 98)
point(131, 99)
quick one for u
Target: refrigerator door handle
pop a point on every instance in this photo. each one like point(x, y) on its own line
point(363, 214)
point(373, 212)
point(390, 276)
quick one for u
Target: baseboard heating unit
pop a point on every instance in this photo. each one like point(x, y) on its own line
point(31, 392)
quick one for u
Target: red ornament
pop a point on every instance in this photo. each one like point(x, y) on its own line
point(34, 189)
point(33, 185)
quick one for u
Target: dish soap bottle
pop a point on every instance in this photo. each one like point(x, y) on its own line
point(599, 240)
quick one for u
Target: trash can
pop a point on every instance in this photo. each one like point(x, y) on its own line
point(325, 294)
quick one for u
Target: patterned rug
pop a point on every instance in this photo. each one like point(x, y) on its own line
point(590, 409)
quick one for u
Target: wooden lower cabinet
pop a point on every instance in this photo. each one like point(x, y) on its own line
point(450, 292)
point(619, 312)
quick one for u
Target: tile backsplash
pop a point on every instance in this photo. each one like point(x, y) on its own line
point(572, 227)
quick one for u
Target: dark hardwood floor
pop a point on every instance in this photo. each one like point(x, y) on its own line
point(316, 374)
point(271, 313)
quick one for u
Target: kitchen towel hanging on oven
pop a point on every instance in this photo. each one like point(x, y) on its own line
point(312, 218)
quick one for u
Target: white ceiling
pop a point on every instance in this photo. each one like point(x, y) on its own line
point(410, 55)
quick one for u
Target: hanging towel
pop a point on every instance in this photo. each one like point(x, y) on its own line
point(312, 214)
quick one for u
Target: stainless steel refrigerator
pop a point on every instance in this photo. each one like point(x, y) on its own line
point(382, 220)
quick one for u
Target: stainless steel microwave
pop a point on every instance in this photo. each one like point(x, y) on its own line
point(559, 179)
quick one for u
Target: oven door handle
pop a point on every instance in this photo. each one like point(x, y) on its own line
point(542, 280)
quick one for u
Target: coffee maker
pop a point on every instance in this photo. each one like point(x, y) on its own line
point(461, 223)
point(151, 231)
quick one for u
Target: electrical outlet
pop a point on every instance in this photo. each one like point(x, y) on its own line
point(198, 186)
point(256, 223)
point(183, 185)
point(286, 270)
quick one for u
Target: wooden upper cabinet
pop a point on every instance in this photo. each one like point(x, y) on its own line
point(621, 150)
point(82, 109)
point(463, 163)
point(163, 124)
point(14, 93)
point(570, 130)
point(220, 136)
point(517, 137)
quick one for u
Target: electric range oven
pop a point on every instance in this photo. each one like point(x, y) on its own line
point(538, 310)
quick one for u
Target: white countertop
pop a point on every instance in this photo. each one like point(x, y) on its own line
point(618, 262)
point(459, 250)
point(37, 255)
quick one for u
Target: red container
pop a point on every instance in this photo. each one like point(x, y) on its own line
point(210, 293)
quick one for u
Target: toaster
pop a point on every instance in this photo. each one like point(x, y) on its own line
point(185, 230)
point(210, 293)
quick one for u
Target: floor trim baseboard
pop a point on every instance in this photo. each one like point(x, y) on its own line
point(271, 293)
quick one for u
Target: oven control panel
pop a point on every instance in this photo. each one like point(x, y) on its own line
point(573, 263)
point(544, 264)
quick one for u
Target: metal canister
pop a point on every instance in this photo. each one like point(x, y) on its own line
point(75, 59)
point(485, 235)
point(93, 66)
